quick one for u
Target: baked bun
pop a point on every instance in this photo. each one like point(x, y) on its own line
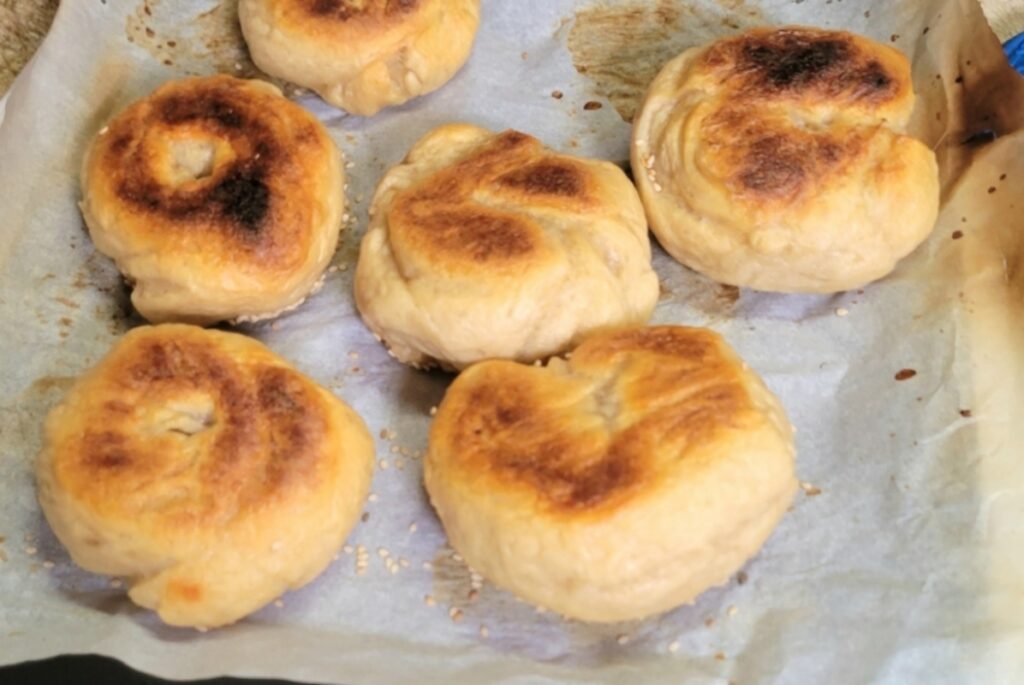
point(217, 197)
point(361, 55)
point(776, 160)
point(485, 245)
point(206, 469)
point(616, 485)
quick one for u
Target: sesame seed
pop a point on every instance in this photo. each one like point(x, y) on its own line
point(412, 527)
point(657, 188)
point(395, 449)
point(238, 66)
point(382, 552)
point(383, 464)
point(332, 268)
point(104, 130)
point(115, 583)
point(455, 614)
point(47, 564)
point(640, 142)
point(540, 610)
point(404, 562)
point(278, 603)
point(202, 629)
point(650, 162)
point(30, 550)
point(805, 485)
point(373, 497)
point(349, 165)
point(456, 556)
point(427, 566)
point(344, 218)
point(473, 594)
point(673, 646)
point(842, 311)
point(347, 549)
point(400, 464)
point(622, 639)
point(343, 267)
point(393, 568)
point(484, 633)
point(731, 611)
point(429, 601)
point(433, 410)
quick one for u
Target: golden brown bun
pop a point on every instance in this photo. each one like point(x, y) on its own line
point(206, 469)
point(218, 198)
point(361, 55)
point(776, 160)
point(616, 485)
point(485, 245)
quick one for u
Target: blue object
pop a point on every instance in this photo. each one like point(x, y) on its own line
point(1014, 49)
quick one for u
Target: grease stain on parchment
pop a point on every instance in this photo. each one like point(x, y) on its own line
point(621, 46)
point(205, 43)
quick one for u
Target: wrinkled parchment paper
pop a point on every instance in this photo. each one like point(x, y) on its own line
point(903, 557)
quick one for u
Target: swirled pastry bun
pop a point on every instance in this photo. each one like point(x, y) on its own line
point(205, 469)
point(777, 160)
point(488, 245)
point(361, 55)
point(616, 485)
point(217, 198)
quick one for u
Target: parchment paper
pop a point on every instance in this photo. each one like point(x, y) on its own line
point(901, 561)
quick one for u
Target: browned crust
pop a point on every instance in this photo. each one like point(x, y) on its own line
point(507, 426)
point(262, 438)
point(346, 10)
point(765, 80)
point(252, 207)
point(797, 62)
point(465, 213)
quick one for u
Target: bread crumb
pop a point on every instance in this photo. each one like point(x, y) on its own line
point(720, 657)
point(472, 595)
point(455, 614)
point(709, 621)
